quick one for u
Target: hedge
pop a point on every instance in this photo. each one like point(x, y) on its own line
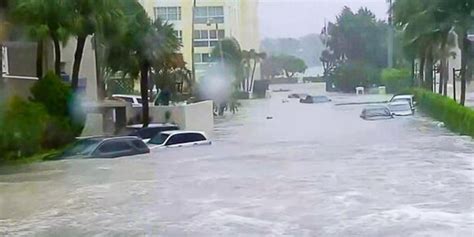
point(457, 118)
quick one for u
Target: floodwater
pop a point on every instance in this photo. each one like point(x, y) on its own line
point(311, 170)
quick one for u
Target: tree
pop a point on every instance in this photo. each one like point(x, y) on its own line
point(142, 46)
point(460, 13)
point(250, 60)
point(50, 17)
point(229, 53)
point(91, 17)
point(291, 65)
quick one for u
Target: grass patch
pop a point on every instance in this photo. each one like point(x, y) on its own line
point(457, 118)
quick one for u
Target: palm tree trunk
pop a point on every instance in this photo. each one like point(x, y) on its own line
point(81, 42)
point(253, 74)
point(57, 54)
point(39, 59)
point(446, 77)
point(421, 80)
point(441, 76)
point(413, 76)
point(429, 71)
point(144, 69)
point(464, 63)
point(76, 67)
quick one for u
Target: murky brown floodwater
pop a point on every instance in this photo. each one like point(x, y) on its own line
point(313, 170)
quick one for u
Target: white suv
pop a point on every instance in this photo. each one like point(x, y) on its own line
point(179, 139)
point(134, 100)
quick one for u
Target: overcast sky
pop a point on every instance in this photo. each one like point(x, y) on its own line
point(295, 18)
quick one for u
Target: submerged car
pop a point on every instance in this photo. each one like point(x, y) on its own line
point(179, 139)
point(401, 108)
point(105, 147)
point(297, 96)
point(315, 99)
point(376, 112)
point(149, 132)
point(408, 98)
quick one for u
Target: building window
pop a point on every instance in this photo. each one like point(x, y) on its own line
point(168, 13)
point(179, 35)
point(207, 38)
point(202, 58)
point(205, 14)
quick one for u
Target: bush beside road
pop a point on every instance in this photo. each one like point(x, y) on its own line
point(456, 117)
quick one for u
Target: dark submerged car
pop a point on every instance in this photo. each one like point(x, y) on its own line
point(315, 99)
point(149, 132)
point(105, 147)
point(376, 112)
point(297, 96)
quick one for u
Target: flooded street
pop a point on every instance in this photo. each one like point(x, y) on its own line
point(311, 170)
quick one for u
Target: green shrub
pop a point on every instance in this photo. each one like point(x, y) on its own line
point(457, 118)
point(54, 94)
point(396, 80)
point(58, 132)
point(21, 128)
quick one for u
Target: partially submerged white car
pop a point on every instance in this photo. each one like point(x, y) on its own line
point(408, 98)
point(401, 108)
point(171, 139)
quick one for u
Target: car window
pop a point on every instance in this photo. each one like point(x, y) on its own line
point(177, 139)
point(139, 100)
point(139, 144)
point(81, 147)
point(159, 139)
point(194, 137)
point(114, 146)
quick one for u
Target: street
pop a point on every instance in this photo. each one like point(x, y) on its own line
point(274, 169)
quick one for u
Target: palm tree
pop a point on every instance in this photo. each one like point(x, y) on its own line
point(423, 32)
point(47, 17)
point(91, 17)
point(142, 46)
point(459, 13)
point(257, 58)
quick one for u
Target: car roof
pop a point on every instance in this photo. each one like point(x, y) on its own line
point(399, 103)
point(374, 107)
point(128, 96)
point(109, 138)
point(181, 132)
point(403, 97)
point(153, 125)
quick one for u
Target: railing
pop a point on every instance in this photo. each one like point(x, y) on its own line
point(19, 77)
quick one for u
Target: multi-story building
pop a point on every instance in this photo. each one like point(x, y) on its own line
point(213, 20)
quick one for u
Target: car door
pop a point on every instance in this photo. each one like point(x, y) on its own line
point(114, 149)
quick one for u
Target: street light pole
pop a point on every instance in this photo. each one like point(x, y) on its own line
point(390, 35)
point(193, 68)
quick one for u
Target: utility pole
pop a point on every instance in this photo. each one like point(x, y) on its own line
point(193, 68)
point(390, 35)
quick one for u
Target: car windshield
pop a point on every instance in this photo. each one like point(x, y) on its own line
point(82, 147)
point(400, 107)
point(159, 139)
point(401, 100)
